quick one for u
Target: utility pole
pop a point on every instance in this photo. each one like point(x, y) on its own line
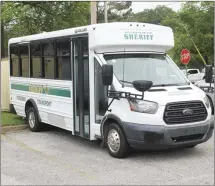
point(93, 11)
point(2, 54)
point(2, 42)
point(105, 12)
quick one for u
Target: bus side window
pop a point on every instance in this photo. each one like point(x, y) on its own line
point(24, 56)
point(36, 60)
point(14, 61)
point(64, 59)
point(101, 100)
point(49, 59)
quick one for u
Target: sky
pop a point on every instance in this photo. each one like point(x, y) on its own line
point(140, 6)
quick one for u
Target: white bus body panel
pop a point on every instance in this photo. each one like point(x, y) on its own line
point(116, 37)
point(55, 109)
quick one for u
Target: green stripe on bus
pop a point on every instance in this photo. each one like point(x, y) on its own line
point(20, 87)
point(52, 91)
point(59, 92)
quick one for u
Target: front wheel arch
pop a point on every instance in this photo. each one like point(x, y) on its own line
point(32, 103)
point(107, 120)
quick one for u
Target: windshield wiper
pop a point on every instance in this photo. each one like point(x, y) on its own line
point(125, 81)
point(159, 85)
point(166, 85)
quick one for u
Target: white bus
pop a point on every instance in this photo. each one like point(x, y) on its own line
point(111, 81)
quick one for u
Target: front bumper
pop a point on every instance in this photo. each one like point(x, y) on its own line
point(143, 136)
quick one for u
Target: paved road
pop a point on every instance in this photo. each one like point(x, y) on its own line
point(57, 158)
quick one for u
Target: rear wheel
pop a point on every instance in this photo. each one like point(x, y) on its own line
point(33, 121)
point(116, 142)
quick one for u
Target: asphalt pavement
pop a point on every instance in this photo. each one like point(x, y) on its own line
point(56, 157)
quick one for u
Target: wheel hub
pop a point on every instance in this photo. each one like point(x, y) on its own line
point(31, 119)
point(113, 140)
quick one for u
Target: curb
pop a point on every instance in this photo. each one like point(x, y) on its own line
point(13, 128)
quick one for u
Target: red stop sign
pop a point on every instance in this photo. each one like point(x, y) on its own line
point(185, 56)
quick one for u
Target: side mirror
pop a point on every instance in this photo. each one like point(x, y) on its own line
point(142, 85)
point(107, 74)
point(208, 74)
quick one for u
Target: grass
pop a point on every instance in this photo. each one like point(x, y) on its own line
point(9, 119)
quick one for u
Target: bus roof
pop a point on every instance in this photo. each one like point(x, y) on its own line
point(87, 29)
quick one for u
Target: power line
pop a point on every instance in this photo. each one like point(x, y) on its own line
point(191, 39)
point(181, 23)
point(171, 3)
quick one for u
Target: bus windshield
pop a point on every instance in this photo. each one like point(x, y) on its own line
point(158, 68)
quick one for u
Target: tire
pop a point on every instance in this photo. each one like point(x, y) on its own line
point(33, 121)
point(120, 147)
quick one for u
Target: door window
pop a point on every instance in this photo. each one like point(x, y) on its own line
point(81, 84)
point(63, 58)
point(101, 99)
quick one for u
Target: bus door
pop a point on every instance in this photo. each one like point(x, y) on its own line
point(81, 93)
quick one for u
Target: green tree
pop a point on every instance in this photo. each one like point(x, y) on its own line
point(197, 25)
point(117, 11)
point(32, 17)
point(154, 16)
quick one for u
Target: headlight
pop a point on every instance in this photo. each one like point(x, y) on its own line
point(144, 106)
point(206, 100)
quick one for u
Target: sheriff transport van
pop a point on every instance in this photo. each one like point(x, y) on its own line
point(111, 81)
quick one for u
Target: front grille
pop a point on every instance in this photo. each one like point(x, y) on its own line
point(175, 113)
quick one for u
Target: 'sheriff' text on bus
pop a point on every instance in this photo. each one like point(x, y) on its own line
point(39, 89)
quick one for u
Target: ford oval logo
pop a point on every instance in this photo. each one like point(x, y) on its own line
point(187, 112)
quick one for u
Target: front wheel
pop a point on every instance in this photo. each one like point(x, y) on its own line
point(116, 142)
